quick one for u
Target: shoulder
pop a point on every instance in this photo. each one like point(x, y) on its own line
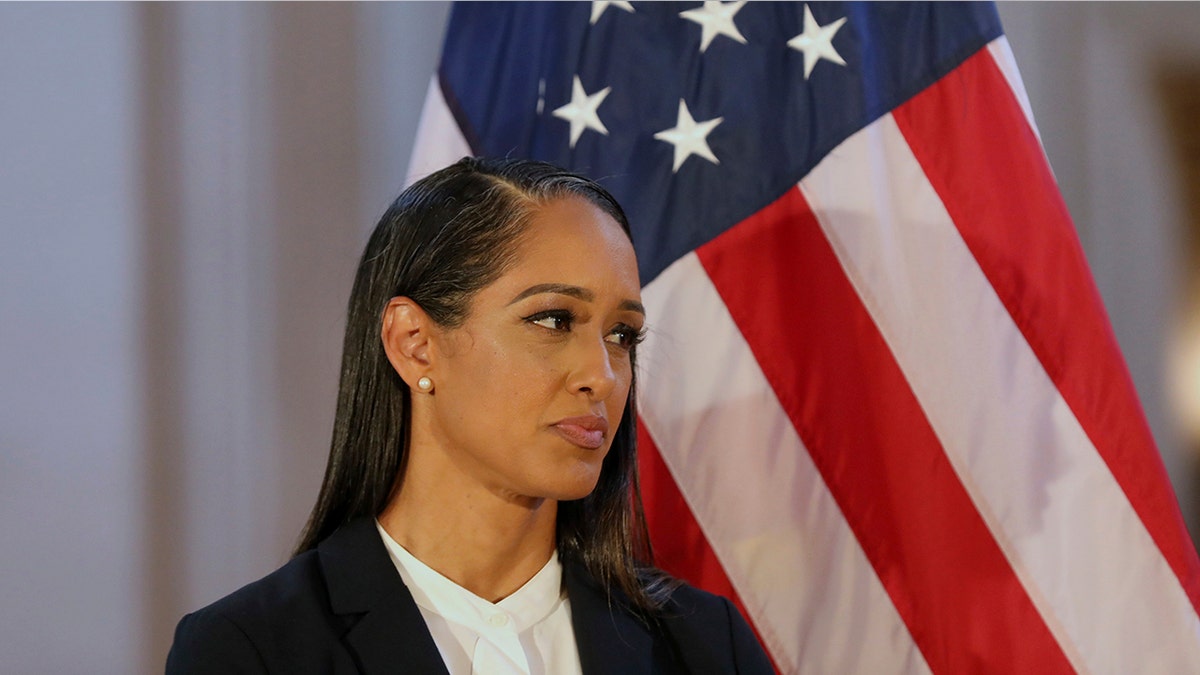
point(711, 634)
point(246, 630)
point(295, 586)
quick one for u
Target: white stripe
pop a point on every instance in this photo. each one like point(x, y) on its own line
point(1002, 54)
point(753, 488)
point(1064, 523)
point(440, 142)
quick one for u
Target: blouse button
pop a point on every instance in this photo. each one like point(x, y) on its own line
point(498, 620)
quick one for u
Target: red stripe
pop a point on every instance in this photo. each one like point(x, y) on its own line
point(980, 163)
point(842, 389)
point(680, 547)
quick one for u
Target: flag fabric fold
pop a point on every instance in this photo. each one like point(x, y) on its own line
point(880, 402)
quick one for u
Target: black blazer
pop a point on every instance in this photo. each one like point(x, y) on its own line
point(343, 608)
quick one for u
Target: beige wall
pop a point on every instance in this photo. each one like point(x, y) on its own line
point(184, 190)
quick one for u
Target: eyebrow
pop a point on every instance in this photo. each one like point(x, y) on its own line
point(574, 292)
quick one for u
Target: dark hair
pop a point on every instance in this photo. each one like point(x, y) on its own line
point(445, 238)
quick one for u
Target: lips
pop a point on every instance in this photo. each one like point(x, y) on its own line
point(586, 431)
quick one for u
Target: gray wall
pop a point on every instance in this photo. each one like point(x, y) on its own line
point(70, 363)
point(184, 190)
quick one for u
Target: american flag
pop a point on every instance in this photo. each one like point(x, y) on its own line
point(881, 405)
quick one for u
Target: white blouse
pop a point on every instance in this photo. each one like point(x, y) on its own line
point(527, 633)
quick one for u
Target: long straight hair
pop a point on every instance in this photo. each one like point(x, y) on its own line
point(445, 238)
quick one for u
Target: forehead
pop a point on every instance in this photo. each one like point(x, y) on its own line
point(572, 241)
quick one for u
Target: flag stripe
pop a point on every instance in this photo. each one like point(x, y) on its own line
point(440, 142)
point(843, 391)
point(941, 319)
point(1001, 421)
point(681, 547)
point(754, 490)
point(1039, 273)
point(1002, 54)
point(1039, 270)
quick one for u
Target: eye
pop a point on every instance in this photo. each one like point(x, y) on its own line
point(555, 319)
point(626, 336)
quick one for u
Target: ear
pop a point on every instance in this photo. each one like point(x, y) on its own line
point(406, 332)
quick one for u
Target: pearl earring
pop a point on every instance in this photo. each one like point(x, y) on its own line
point(425, 384)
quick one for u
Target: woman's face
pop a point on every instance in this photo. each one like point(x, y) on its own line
point(530, 389)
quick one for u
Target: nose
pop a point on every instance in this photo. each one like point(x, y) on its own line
point(593, 372)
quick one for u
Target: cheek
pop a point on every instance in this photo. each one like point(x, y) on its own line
point(514, 376)
point(616, 402)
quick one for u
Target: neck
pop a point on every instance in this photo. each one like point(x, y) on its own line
point(488, 543)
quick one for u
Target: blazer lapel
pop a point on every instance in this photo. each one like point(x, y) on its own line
point(609, 637)
point(389, 635)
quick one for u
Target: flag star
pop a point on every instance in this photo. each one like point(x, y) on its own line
point(816, 42)
point(581, 111)
point(715, 18)
point(598, 7)
point(689, 136)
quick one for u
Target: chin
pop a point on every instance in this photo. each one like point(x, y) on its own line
point(579, 486)
point(574, 495)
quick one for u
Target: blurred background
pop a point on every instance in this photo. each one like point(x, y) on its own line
point(184, 193)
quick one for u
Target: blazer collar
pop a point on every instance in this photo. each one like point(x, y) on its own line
point(390, 634)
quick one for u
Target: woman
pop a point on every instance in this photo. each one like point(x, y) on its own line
point(480, 510)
